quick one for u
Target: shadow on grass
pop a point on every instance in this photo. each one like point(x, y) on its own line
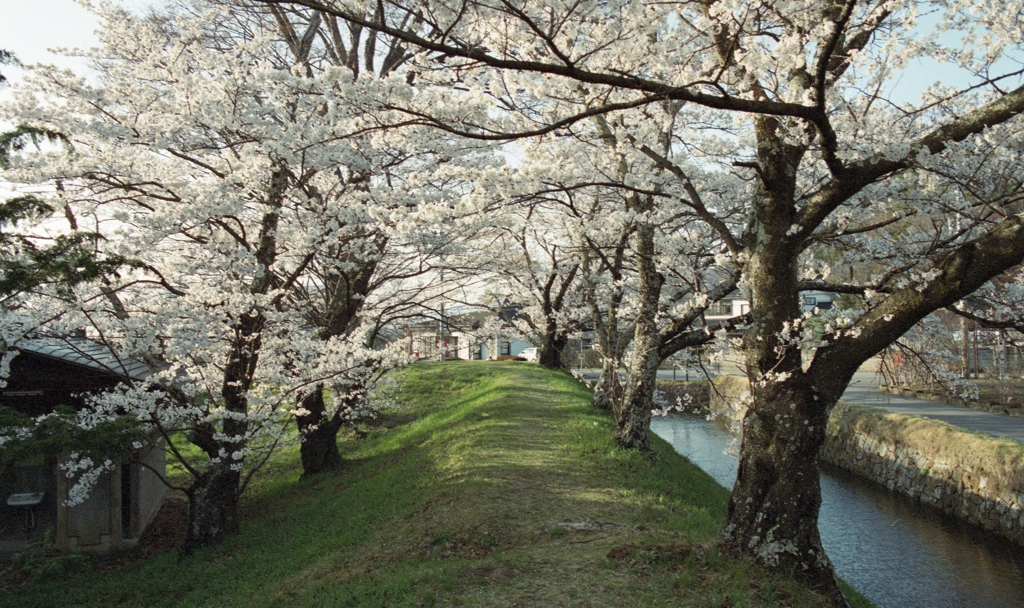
point(456, 505)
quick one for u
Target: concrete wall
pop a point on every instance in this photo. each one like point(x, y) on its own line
point(99, 523)
point(978, 479)
point(147, 491)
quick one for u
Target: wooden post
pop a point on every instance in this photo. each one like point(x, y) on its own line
point(975, 350)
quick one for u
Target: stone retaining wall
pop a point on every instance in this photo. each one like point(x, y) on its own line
point(979, 479)
point(686, 396)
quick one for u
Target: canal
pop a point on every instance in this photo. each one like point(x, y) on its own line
point(895, 551)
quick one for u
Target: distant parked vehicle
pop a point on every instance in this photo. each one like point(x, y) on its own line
point(530, 354)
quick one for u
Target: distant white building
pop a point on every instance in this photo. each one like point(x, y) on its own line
point(464, 335)
point(735, 304)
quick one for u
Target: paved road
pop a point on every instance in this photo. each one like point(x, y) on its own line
point(863, 390)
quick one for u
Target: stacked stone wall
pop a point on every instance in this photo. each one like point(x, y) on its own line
point(978, 479)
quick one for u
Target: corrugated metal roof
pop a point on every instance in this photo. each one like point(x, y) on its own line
point(87, 353)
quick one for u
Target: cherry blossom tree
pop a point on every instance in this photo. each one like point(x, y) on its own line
point(206, 170)
point(385, 196)
point(790, 100)
point(674, 258)
point(525, 255)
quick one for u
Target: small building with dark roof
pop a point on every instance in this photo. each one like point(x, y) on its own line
point(45, 374)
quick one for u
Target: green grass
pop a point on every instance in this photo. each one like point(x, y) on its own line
point(456, 500)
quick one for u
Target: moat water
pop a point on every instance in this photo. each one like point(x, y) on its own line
point(895, 551)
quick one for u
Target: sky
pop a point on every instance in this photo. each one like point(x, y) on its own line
point(30, 27)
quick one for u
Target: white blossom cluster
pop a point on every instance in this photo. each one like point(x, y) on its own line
point(242, 190)
point(85, 473)
point(622, 165)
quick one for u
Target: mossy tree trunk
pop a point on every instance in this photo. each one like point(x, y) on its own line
point(319, 432)
point(632, 429)
point(212, 507)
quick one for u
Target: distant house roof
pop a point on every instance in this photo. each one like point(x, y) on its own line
point(466, 318)
point(85, 352)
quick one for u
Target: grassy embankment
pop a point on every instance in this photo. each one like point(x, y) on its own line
point(464, 497)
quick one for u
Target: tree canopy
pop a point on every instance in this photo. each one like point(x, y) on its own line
point(282, 176)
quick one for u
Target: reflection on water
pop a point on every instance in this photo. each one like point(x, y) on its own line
point(896, 552)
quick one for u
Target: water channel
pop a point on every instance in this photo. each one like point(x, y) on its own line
point(895, 551)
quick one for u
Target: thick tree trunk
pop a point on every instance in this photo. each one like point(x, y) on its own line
point(213, 497)
point(633, 429)
point(552, 347)
point(319, 447)
point(608, 390)
point(773, 510)
point(212, 507)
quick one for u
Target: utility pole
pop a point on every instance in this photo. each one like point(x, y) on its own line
point(441, 331)
point(965, 346)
